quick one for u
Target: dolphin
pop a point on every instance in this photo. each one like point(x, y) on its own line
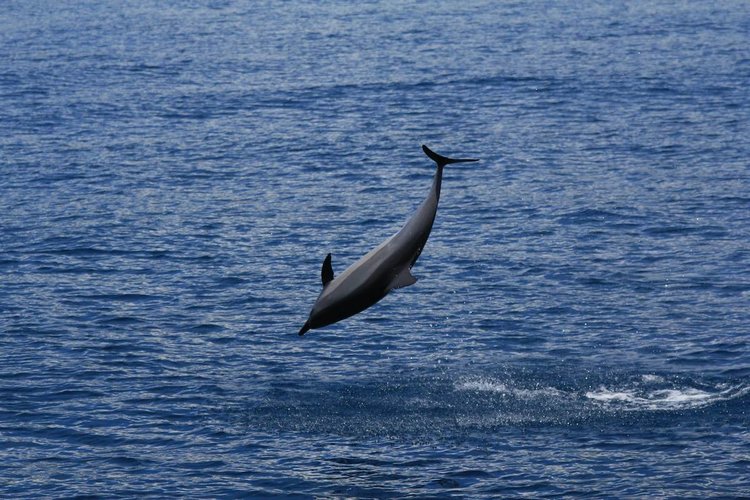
point(385, 268)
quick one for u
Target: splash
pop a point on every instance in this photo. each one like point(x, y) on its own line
point(664, 398)
point(642, 392)
point(489, 385)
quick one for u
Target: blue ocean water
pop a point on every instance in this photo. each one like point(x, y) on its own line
point(173, 174)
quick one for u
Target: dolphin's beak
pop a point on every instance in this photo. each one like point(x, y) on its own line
point(304, 329)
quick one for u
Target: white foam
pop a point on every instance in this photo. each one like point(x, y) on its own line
point(648, 393)
point(605, 395)
point(664, 399)
point(482, 385)
point(490, 385)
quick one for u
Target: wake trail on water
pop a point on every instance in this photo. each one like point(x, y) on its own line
point(666, 398)
point(434, 406)
point(647, 392)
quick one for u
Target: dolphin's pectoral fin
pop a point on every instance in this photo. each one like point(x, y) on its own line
point(402, 279)
point(326, 273)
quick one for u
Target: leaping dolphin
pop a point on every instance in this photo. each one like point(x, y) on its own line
point(385, 268)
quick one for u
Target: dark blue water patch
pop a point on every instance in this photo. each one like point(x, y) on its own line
point(670, 231)
point(740, 200)
point(420, 178)
point(74, 394)
point(52, 247)
point(123, 297)
point(9, 263)
point(130, 462)
point(120, 320)
point(210, 328)
point(223, 340)
point(230, 282)
point(592, 216)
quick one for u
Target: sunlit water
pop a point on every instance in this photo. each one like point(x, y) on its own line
point(173, 176)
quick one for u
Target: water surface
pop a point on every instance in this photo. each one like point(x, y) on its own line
point(174, 175)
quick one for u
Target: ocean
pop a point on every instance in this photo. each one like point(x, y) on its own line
point(172, 175)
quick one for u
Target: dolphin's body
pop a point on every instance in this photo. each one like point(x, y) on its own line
point(384, 268)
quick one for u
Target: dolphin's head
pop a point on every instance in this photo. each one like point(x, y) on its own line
point(313, 321)
point(325, 311)
point(304, 328)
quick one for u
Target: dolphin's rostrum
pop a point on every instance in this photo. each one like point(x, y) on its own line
point(384, 268)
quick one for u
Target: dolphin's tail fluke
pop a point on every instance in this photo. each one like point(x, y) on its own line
point(443, 160)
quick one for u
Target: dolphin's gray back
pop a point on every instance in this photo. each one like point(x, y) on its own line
point(381, 264)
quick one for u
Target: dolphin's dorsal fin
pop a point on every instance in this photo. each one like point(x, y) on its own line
point(326, 273)
point(402, 279)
